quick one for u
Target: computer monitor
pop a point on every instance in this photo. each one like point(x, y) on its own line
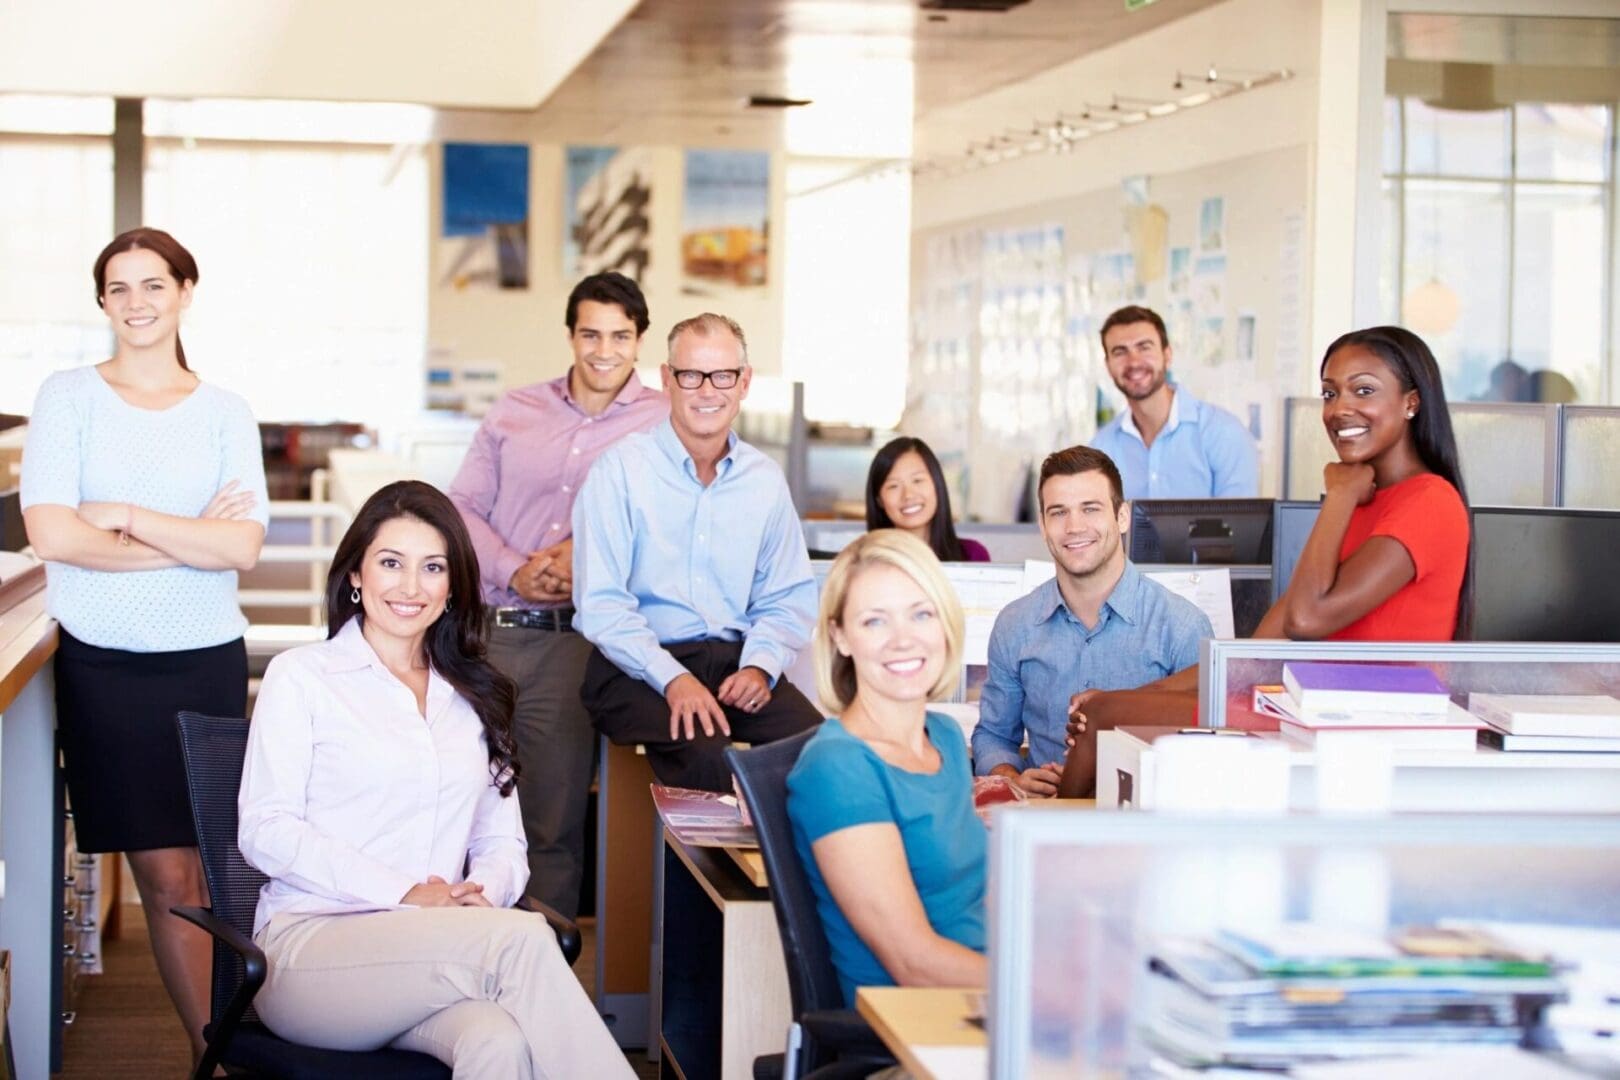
point(1291, 524)
point(1224, 532)
point(1542, 574)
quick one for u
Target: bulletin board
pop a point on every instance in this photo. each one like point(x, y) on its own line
point(1006, 310)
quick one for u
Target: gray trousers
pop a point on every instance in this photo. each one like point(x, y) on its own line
point(557, 749)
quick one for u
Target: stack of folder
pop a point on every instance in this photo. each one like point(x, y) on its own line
point(1311, 993)
point(1409, 708)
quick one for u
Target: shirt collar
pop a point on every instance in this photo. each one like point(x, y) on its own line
point(670, 443)
point(1127, 422)
point(632, 390)
point(348, 650)
point(1125, 601)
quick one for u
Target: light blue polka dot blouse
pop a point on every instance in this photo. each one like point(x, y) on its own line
point(87, 444)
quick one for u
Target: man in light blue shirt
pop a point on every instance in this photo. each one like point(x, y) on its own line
point(1098, 624)
point(691, 576)
point(1168, 444)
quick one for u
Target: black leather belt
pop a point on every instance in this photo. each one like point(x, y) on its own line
point(560, 619)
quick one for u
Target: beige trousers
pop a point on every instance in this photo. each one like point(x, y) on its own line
point(484, 990)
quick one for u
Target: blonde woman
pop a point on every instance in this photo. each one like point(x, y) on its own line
point(881, 799)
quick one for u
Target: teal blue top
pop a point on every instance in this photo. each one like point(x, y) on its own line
point(840, 782)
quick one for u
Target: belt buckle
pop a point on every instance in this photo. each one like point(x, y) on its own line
point(506, 618)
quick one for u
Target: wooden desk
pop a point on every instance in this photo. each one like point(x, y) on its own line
point(30, 832)
point(712, 920)
point(627, 847)
point(928, 1030)
point(751, 863)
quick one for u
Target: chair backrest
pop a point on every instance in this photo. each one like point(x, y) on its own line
point(762, 776)
point(213, 748)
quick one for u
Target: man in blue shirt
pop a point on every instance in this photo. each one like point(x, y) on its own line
point(1168, 444)
point(1098, 624)
point(691, 576)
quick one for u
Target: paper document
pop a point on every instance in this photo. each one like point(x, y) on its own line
point(983, 591)
point(1209, 590)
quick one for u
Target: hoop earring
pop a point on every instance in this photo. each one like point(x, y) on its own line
point(447, 602)
point(354, 595)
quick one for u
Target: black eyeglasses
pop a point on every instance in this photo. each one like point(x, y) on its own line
point(691, 378)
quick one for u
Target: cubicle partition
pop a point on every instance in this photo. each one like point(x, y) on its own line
point(1538, 571)
point(1083, 904)
point(1513, 454)
point(1010, 543)
point(1590, 446)
point(1230, 669)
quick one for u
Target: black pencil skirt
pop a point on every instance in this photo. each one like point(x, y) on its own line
point(115, 724)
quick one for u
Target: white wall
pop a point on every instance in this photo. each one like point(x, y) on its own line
point(522, 329)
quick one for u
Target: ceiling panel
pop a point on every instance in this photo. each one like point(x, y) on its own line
point(677, 71)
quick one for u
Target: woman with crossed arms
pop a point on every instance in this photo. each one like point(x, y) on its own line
point(143, 490)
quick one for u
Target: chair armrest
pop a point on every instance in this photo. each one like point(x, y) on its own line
point(842, 1031)
point(566, 929)
point(254, 969)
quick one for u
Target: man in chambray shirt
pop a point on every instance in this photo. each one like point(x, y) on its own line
point(1098, 624)
point(691, 575)
point(1167, 444)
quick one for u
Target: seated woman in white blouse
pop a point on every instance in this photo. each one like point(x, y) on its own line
point(378, 797)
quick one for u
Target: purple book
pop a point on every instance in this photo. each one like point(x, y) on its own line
point(1326, 690)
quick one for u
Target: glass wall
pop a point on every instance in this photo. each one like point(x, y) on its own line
point(1499, 186)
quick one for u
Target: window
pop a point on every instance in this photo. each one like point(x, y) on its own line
point(56, 208)
point(1500, 248)
point(314, 266)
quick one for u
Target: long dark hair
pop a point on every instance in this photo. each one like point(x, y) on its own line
point(1414, 365)
point(941, 532)
point(455, 642)
point(181, 265)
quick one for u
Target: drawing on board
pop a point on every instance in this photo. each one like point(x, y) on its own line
point(1212, 225)
point(607, 193)
point(725, 221)
point(484, 236)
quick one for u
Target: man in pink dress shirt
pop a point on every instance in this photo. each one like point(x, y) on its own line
point(516, 492)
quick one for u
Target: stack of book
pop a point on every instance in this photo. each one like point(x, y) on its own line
point(1311, 993)
point(1579, 723)
point(1405, 707)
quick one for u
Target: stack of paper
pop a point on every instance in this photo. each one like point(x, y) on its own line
point(1404, 707)
point(1587, 723)
point(1306, 992)
point(1587, 1021)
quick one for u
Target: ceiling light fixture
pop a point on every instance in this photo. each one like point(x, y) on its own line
point(1059, 135)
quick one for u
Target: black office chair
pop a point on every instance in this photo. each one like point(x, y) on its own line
point(827, 1041)
point(213, 749)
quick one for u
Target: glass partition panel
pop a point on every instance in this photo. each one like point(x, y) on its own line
point(1230, 670)
point(1506, 452)
point(1119, 940)
point(1308, 449)
point(1591, 447)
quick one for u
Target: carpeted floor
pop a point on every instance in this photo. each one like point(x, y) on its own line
point(126, 1028)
